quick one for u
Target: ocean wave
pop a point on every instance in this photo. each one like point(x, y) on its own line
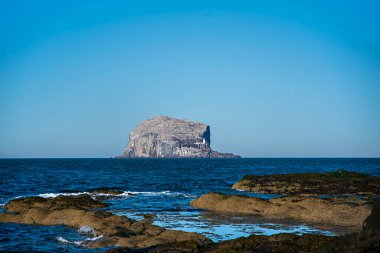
point(123, 194)
point(54, 195)
point(78, 243)
point(165, 193)
point(63, 240)
point(87, 230)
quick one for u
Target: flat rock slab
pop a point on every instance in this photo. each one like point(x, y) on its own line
point(83, 211)
point(349, 212)
point(340, 182)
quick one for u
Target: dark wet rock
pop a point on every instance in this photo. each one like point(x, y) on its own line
point(83, 211)
point(107, 191)
point(81, 202)
point(255, 243)
point(336, 211)
point(149, 216)
point(330, 183)
point(365, 241)
point(276, 243)
point(174, 247)
point(166, 137)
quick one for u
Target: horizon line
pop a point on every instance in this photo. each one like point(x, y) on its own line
point(181, 158)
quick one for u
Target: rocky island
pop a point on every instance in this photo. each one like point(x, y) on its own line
point(166, 137)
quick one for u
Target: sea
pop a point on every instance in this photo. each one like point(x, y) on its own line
point(162, 187)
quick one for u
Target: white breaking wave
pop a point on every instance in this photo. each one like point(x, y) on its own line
point(87, 230)
point(63, 240)
point(124, 194)
point(78, 243)
point(166, 193)
point(53, 195)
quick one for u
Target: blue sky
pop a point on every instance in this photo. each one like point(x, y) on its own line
point(272, 78)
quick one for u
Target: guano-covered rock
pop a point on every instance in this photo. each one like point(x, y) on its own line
point(166, 137)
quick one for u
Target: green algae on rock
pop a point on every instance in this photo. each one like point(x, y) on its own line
point(340, 182)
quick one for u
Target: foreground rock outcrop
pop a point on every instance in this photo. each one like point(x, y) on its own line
point(138, 237)
point(83, 211)
point(336, 211)
point(365, 241)
point(165, 137)
point(340, 182)
point(280, 243)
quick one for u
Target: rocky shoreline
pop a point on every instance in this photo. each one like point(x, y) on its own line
point(365, 241)
point(340, 182)
point(332, 211)
point(82, 211)
point(85, 212)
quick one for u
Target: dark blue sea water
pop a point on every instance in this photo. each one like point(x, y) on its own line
point(163, 187)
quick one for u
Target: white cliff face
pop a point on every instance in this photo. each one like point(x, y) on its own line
point(165, 137)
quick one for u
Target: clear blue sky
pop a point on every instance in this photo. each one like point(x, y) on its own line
point(272, 78)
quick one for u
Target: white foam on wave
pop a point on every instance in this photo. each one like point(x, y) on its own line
point(124, 194)
point(53, 195)
point(165, 193)
point(87, 230)
point(63, 240)
point(94, 238)
point(79, 243)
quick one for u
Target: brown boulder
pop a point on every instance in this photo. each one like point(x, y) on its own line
point(365, 241)
point(336, 211)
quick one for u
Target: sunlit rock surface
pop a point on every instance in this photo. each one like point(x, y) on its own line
point(166, 137)
point(88, 215)
point(338, 211)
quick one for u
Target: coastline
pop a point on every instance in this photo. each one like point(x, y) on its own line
point(31, 210)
